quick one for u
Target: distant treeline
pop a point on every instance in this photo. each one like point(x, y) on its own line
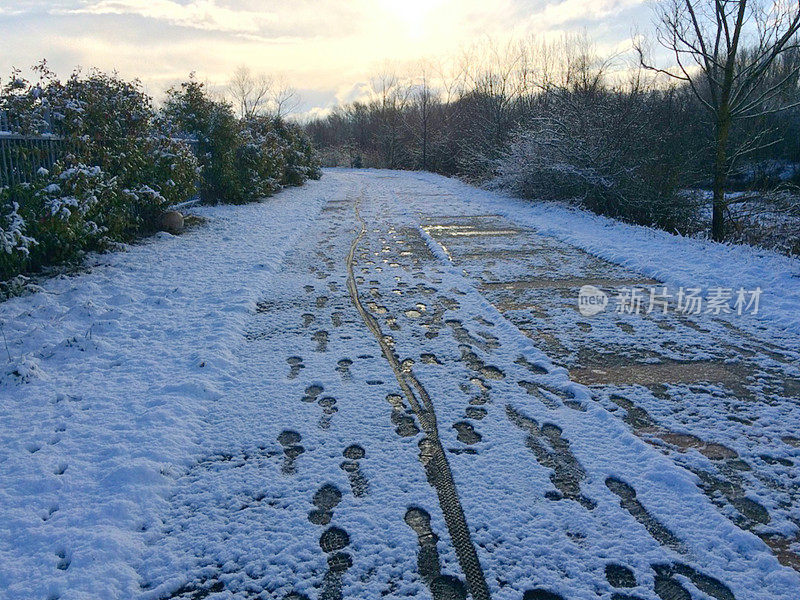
point(559, 121)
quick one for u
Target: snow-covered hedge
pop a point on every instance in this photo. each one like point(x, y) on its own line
point(123, 163)
point(241, 160)
point(116, 172)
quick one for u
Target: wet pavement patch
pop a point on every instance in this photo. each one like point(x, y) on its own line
point(670, 372)
point(569, 283)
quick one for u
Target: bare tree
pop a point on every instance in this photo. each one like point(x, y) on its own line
point(284, 98)
point(421, 105)
point(493, 71)
point(724, 50)
point(391, 95)
point(252, 93)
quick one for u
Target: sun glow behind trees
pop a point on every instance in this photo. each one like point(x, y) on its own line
point(325, 48)
point(418, 17)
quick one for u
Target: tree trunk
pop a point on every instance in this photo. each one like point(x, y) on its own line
point(425, 143)
point(720, 175)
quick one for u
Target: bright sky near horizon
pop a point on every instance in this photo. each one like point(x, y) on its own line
point(327, 49)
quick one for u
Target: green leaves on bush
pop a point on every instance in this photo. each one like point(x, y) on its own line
point(124, 163)
point(117, 173)
point(241, 160)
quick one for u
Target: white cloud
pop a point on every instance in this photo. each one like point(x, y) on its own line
point(322, 45)
point(559, 13)
point(200, 14)
point(282, 18)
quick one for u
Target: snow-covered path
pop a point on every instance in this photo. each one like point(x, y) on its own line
point(378, 386)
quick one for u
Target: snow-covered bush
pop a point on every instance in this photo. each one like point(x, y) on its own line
point(55, 217)
point(260, 158)
point(604, 151)
point(173, 167)
point(299, 156)
point(116, 173)
point(26, 103)
point(241, 160)
point(114, 126)
point(73, 210)
point(191, 112)
point(16, 243)
point(283, 155)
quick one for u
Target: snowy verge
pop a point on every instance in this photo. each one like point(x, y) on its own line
point(108, 379)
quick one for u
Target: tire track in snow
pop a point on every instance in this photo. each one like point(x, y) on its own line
point(432, 454)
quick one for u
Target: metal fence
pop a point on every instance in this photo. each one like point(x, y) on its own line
point(22, 156)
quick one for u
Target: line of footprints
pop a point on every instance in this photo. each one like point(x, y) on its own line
point(334, 540)
point(327, 403)
point(546, 443)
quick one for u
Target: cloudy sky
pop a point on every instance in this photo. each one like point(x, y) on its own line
point(327, 49)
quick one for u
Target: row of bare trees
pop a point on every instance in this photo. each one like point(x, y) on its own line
point(625, 136)
point(259, 94)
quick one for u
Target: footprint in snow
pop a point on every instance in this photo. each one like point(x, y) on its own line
point(332, 542)
point(466, 433)
point(63, 561)
point(295, 365)
point(343, 367)
point(328, 404)
point(442, 587)
point(321, 337)
point(325, 500)
point(290, 440)
point(312, 392)
point(552, 451)
point(629, 501)
point(358, 483)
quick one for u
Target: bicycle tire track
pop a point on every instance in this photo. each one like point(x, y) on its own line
point(432, 454)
